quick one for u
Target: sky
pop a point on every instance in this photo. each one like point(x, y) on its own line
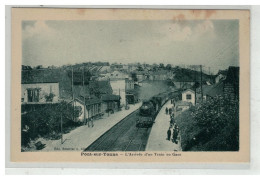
point(211, 43)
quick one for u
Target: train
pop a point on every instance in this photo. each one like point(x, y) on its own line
point(150, 108)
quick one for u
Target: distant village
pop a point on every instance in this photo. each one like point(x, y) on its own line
point(102, 88)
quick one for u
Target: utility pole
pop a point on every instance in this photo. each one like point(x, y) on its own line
point(61, 131)
point(201, 83)
point(195, 84)
point(83, 76)
point(72, 90)
point(85, 119)
point(83, 79)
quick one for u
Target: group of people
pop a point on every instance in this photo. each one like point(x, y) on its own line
point(169, 111)
point(173, 131)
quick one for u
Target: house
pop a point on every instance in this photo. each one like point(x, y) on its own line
point(188, 96)
point(231, 84)
point(129, 84)
point(110, 103)
point(131, 96)
point(62, 76)
point(99, 88)
point(118, 87)
point(228, 87)
point(131, 92)
point(115, 75)
point(105, 69)
point(221, 75)
point(216, 90)
point(205, 91)
point(40, 93)
point(91, 108)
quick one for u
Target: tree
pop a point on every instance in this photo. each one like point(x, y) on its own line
point(168, 67)
point(218, 119)
point(140, 68)
point(134, 77)
point(49, 98)
point(161, 65)
point(154, 67)
point(39, 67)
point(45, 121)
point(26, 67)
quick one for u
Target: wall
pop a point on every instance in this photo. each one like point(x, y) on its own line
point(91, 110)
point(192, 100)
point(129, 85)
point(45, 89)
point(183, 108)
point(119, 86)
point(81, 117)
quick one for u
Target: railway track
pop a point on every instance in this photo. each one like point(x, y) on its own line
point(124, 136)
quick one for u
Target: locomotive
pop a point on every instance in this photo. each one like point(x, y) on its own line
point(150, 108)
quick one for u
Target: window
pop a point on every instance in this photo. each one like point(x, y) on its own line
point(188, 96)
point(33, 94)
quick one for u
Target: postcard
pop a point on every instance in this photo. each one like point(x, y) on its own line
point(130, 85)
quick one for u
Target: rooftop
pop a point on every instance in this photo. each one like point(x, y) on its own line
point(216, 89)
point(88, 101)
point(188, 90)
point(232, 75)
point(110, 97)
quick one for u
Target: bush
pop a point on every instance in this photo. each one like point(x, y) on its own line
point(212, 126)
point(45, 121)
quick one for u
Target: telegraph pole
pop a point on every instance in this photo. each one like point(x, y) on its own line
point(83, 76)
point(201, 83)
point(195, 84)
point(72, 88)
point(85, 119)
point(61, 131)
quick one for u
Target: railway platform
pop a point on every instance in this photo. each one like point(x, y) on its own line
point(81, 137)
point(157, 140)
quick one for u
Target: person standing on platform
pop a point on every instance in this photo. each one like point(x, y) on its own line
point(169, 133)
point(172, 119)
point(166, 110)
point(170, 111)
point(175, 135)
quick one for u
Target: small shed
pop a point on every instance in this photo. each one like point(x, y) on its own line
point(188, 96)
point(91, 110)
point(183, 105)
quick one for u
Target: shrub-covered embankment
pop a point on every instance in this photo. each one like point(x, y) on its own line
point(211, 126)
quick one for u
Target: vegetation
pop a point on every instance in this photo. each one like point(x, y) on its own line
point(210, 126)
point(45, 121)
point(182, 74)
point(49, 98)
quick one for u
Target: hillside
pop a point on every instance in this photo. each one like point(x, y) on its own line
point(182, 74)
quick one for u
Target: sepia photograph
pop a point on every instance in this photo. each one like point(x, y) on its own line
point(132, 86)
